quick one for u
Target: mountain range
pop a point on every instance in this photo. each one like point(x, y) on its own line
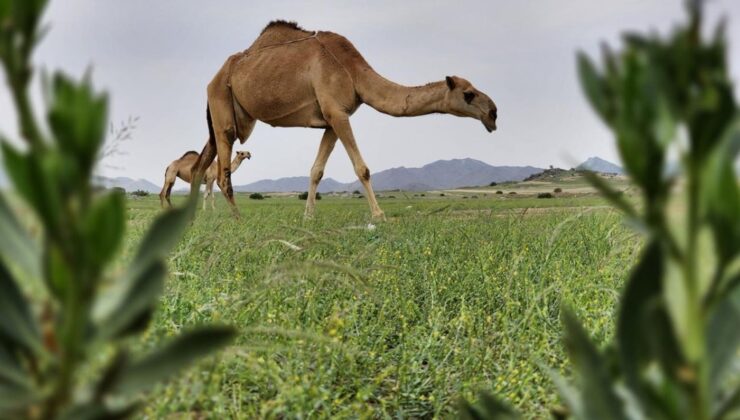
point(127, 183)
point(442, 174)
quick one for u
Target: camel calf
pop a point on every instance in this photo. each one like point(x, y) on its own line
point(182, 168)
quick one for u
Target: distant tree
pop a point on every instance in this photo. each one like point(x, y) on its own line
point(499, 192)
point(545, 195)
point(356, 192)
point(258, 196)
point(442, 194)
point(140, 193)
point(304, 196)
point(558, 190)
point(120, 190)
point(492, 184)
point(512, 193)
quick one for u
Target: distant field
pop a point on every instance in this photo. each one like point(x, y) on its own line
point(450, 296)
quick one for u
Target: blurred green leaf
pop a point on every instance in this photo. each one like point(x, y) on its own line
point(77, 118)
point(723, 338)
point(721, 194)
point(14, 399)
point(11, 372)
point(642, 290)
point(17, 249)
point(595, 88)
point(487, 408)
point(164, 234)
point(598, 398)
point(172, 357)
point(16, 322)
point(136, 301)
point(729, 407)
point(617, 198)
point(96, 410)
point(105, 226)
point(678, 303)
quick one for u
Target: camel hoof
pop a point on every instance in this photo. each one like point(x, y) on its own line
point(379, 217)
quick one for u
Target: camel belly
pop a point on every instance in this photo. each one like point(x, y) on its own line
point(307, 116)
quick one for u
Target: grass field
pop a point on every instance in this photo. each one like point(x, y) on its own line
point(448, 297)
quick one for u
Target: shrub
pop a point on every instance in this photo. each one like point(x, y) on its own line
point(499, 192)
point(674, 352)
point(512, 193)
point(557, 190)
point(50, 360)
point(304, 196)
point(442, 195)
point(355, 192)
point(258, 196)
point(492, 184)
point(545, 195)
point(140, 193)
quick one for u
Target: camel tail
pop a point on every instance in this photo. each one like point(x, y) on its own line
point(211, 135)
point(208, 154)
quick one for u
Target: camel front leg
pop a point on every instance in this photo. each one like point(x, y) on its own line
point(209, 191)
point(344, 131)
point(328, 140)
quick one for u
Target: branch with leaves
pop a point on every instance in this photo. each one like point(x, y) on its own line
point(59, 303)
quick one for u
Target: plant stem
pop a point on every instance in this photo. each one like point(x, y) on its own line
point(696, 315)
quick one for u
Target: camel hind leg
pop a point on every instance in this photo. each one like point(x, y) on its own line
point(226, 124)
point(170, 175)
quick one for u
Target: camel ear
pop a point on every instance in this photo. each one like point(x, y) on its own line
point(450, 82)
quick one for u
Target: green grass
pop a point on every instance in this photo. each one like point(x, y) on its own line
point(448, 297)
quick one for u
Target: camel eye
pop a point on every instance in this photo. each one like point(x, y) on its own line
point(469, 96)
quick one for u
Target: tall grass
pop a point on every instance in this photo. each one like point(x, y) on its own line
point(398, 321)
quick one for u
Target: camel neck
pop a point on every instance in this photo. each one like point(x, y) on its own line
point(398, 100)
point(235, 164)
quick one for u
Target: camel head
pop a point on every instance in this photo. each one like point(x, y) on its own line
point(464, 100)
point(240, 156)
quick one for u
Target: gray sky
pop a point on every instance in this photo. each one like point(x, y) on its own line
point(156, 58)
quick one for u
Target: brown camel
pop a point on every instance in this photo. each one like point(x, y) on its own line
point(182, 168)
point(290, 77)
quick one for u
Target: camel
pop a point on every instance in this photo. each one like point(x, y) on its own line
point(290, 77)
point(182, 168)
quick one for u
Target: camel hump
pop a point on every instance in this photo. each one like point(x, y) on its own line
point(189, 152)
point(279, 31)
point(280, 23)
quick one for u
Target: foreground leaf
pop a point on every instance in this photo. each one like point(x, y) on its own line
point(598, 398)
point(16, 247)
point(174, 356)
point(643, 288)
point(487, 408)
point(16, 323)
point(133, 304)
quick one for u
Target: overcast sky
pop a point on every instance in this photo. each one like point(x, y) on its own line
point(156, 58)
